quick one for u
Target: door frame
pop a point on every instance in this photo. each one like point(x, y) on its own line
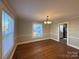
point(67, 31)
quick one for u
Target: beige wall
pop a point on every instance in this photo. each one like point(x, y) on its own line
point(49, 31)
point(25, 31)
point(73, 30)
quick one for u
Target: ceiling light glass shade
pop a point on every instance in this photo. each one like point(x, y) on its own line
point(47, 21)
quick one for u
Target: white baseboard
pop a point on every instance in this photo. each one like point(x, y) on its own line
point(36, 41)
point(13, 52)
point(30, 41)
point(23, 43)
point(55, 39)
point(10, 54)
point(73, 46)
point(69, 44)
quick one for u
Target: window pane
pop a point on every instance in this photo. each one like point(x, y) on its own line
point(7, 33)
point(37, 30)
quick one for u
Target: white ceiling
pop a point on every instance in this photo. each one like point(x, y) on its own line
point(39, 9)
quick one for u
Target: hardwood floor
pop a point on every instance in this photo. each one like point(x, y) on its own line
point(46, 49)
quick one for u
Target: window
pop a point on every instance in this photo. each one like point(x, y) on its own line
point(7, 33)
point(37, 30)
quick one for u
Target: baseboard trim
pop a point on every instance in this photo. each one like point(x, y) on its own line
point(13, 51)
point(69, 44)
point(73, 46)
point(36, 41)
point(30, 41)
point(54, 39)
point(23, 43)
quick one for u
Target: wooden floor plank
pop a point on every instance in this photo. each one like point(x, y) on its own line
point(46, 49)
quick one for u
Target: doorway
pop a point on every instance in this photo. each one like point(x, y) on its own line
point(63, 31)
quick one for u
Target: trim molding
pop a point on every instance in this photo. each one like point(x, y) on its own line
point(67, 30)
point(20, 43)
point(31, 41)
point(13, 52)
point(10, 54)
point(1, 5)
point(43, 39)
point(73, 46)
point(76, 47)
point(54, 39)
point(74, 38)
point(9, 7)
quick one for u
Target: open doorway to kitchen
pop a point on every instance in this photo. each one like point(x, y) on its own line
point(63, 33)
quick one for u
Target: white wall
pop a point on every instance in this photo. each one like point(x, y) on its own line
point(73, 30)
point(25, 31)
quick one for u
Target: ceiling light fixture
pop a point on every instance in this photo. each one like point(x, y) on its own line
point(47, 21)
